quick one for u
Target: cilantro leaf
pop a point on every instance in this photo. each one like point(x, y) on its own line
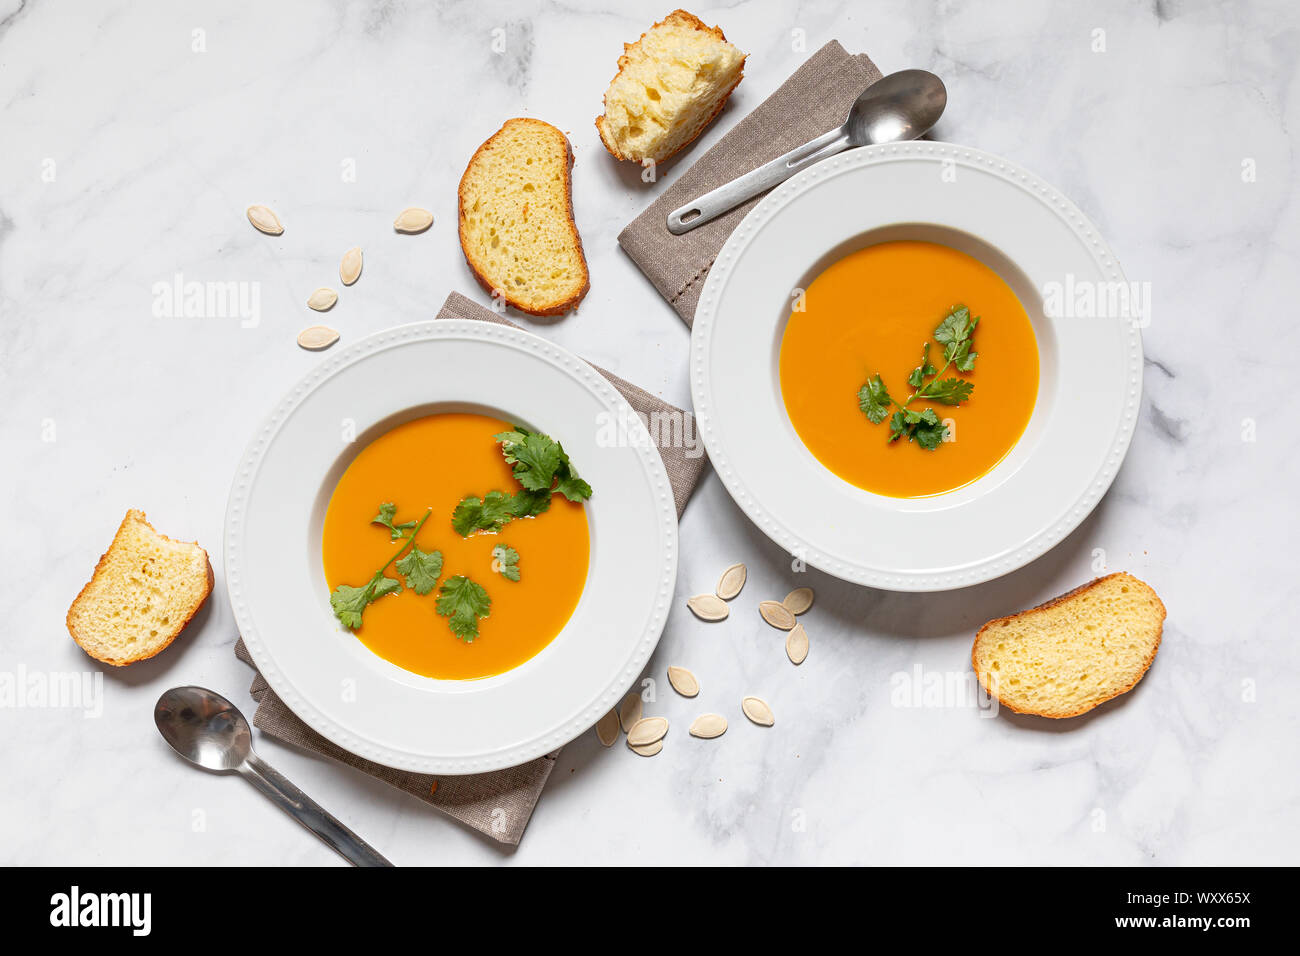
point(540, 464)
point(929, 431)
point(385, 517)
point(505, 561)
point(421, 569)
point(573, 487)
point(955, 327)
point(897, 426)
point(489, 513)
point(535, 460)
point(349, 602)
point(874, 400)
point(529, 504)
point(950, 391)
point(463, 603)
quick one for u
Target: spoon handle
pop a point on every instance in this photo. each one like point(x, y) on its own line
point(309, 813)
point(730, 195)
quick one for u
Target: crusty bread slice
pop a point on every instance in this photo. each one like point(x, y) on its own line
point(516, 219)
point(670, 84)
point(145, 589)
point(1065, 657)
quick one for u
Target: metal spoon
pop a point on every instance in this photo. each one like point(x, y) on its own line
point(210, 732)
point(901, 106)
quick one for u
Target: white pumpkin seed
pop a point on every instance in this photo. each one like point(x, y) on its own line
point(708, 607)
point(413, 220)
point(796, 644)
point(607, 729)
point(732, 580)
point(647, 730)
point(776, 614)
point(350, 266)
point(708, 726)
point(647, 750)
point(317, 338)
point(264, 220)
point(756, 709)
point(683, 681)
point(322, 300)
point(798, 600)
point(629, 712)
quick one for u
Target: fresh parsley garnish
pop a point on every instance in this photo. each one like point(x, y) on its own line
point(505, 561)
point(489, 513)
point(387, 511)
point(954, 333)
point(540, 463)
point(874, 400)
point(350, 602)
point(421, 569)
point(541, 466)
point(463, 603)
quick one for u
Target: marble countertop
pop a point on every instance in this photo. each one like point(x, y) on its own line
point(134, 136)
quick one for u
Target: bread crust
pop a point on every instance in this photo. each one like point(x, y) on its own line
point(685, 18)
point(560, 307)
point(135, 516)
point(1053, 602)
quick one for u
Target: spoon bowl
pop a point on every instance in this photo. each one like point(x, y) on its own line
point(204, 728)
point(902, 106)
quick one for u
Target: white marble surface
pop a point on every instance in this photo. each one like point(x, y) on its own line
point(127, 156)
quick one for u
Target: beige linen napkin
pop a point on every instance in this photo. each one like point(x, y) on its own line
point(814, 100)
point(499, 803)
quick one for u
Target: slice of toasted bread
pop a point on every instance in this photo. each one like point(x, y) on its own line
point(516, 219)
point(144, 591)
point(670, 84)
point(1065, 657)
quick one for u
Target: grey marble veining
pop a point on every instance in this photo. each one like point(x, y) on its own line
point(132, 137)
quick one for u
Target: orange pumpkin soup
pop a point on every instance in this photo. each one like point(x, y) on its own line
point(870, 313)
point(427, 466)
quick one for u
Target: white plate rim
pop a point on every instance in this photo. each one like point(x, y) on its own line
point(547, 739)
point(1071, 515)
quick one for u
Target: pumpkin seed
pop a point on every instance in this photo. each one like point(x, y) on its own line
point(607, 729)
point(776, 614)
point(350, 266)
point(708, 726)
point(317, 338)
point(264, 220)
point(413, 220)
point(757, 710)
point(796, 644)
point(647, 750)
point(629, 712)
point(732, 580)
point(646, 731)
point(798, 600)
point(708, 607)
point(322, 300)
point(683, 681)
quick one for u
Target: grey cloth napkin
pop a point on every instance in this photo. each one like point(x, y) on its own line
point(815, 99)
point(498, 804)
